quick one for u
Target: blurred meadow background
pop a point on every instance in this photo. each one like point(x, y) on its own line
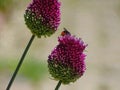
point(97, 22)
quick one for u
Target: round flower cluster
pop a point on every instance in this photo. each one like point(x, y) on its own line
point(42, 17)
point(66, 62)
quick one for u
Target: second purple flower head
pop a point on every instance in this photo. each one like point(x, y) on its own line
point(66, 62)
point(42, 17)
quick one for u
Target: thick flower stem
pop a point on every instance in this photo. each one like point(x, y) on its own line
point(58, 85)
point(20, 62)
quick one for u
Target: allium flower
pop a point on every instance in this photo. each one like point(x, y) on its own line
point(42, 17)
point(66, 62)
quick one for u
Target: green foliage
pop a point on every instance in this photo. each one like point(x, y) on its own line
point(2, 65)
point(5, 5)
point(32, 69)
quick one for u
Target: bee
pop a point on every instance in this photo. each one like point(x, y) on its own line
point(65, 32)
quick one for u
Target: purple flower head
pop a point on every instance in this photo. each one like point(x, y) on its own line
point(42, 17)
point(66, 61)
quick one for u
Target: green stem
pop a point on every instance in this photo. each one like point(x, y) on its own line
point(58, 85)
point(20, 62)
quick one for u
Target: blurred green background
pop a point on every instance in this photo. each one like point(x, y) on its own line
point(97, 22)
